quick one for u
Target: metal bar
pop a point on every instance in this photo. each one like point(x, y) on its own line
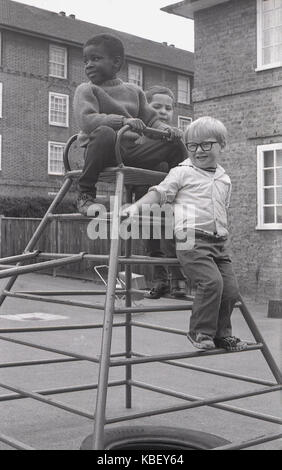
point(98, 435)
point(159, 328)
point(39, 266)
point(38, 232)
point(36, 363)
point(259, 338)
point(232, 409)
point(196, 404)
point(56, 351)
point(22, 257)
point(56, 328)
point(14, 443)
point(48, 401)
point(121, 259)
point(184, 365)
point(159, 309)
point(57, 391)
point(163, 357)
point(71, 303)
point(128, 317)
point(251, 443)
point(65, 292)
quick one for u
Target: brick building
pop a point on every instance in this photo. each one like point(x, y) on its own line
point(238, 79)
point(40, 67)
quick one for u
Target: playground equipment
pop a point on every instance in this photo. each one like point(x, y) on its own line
point(125, 438)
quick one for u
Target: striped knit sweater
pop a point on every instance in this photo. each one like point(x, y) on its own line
point(107, 104)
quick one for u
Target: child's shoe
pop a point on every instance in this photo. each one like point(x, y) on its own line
point(84, 201)
point(201, 340)
point(230, 343)
point(160, 289)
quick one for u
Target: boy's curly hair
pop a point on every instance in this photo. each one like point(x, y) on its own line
point(112, 44)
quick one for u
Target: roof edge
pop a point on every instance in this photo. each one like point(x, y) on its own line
point(187, 8)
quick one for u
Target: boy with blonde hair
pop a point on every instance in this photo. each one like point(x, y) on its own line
point(200, 187)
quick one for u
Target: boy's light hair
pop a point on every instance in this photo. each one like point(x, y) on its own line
point(204, 125)
point(158, 90)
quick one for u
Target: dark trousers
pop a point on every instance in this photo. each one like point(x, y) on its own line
point(100, 153)
point(208, 266)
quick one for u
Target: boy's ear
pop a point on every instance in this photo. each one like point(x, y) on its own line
point(118, 62)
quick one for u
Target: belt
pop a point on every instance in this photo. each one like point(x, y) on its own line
point(199, 234)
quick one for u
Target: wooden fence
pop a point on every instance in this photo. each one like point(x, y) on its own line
point(62, 235)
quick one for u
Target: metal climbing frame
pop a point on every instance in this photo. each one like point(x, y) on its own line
point(125, 177)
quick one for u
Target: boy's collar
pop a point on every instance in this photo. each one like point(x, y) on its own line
point(108, 83)
point(188, 162)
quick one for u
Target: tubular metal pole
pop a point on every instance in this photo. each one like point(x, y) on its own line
point(258, 337)
point(98, 435)
point(128, 317)
point(37, 234)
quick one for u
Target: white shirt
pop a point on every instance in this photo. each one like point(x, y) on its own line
point(200, 198)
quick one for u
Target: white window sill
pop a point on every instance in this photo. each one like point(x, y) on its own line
point(56, 124)
point(268, 67)
point(269, 227)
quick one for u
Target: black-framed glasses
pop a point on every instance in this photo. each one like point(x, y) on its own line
point(205, 146)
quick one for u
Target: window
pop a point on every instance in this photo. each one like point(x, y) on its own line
point(1, 98)
point(269, 32)
point(57, 61)
point(183, 122)
point(183, 90)
point(58, 109)
point(135, 74)
point(0, 48)
point(55, 158)
point(270, 186)
point(0, 152)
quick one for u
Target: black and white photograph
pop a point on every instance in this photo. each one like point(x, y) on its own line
point(140, 228)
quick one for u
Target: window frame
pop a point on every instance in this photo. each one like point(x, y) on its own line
point(184, 118)
point(188, 79)
point(140, 67)
point(1, 100)
point(55, 123)
point(65, 62)
point(59, 144)
point(261, 225)
point(1, 41)
point(260, 65)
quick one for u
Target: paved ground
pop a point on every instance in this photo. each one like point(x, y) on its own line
point(44, 427)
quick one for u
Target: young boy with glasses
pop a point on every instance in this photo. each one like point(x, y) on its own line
point(200, 191)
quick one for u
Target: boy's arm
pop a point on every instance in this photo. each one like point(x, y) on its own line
point(152, 197)
point(86, 110)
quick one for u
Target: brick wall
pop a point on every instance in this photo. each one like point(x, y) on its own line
point(24, 127)
point(228, 88)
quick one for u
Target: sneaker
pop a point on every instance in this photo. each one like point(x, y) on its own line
point(84, 201)
point(230, 343)
point(157, 291)
point(201, 340)
point(178, 292)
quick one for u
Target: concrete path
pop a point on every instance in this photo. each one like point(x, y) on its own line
point(44, 427)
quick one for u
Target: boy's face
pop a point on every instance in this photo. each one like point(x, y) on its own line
point(207, 156)
point(99, 65)
point(163, 104)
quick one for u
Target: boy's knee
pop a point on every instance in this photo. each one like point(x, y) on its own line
point(214, 284)
point(105, 133)
point(231, 292)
